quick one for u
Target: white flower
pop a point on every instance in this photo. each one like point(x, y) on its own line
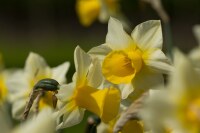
point(135, 59)
point(21, 83)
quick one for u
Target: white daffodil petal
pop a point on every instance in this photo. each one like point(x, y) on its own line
point(148, 35)
point(59, 72)
point(158, 61)
point(17, 82)
point(82, 62)
point(65, 92)
point(100, 51)
point(184, 75)
point(117, 38)
point(151, 111)
point(95, 76)
point(194, 55)
point(71, 118)
point(18, 108)
point(196, 30)
point(126, 90)
point(17, 96)
point(43, 123)
point(146, 79)
point(102, 128)
point(35, 65)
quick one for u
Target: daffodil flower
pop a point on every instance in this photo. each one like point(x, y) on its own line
point(21, 83)
point(89, 10)
point(135, 59)
point(180, 102)
point(185, 94)
point(83, 94)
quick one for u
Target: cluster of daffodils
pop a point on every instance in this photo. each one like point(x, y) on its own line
point(120, 81)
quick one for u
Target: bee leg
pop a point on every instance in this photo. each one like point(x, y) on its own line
point(29, 104)
point(41, 93)
point(54, 99)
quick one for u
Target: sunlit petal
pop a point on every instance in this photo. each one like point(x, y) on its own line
point(59, 72)
point(117, 38)
point(82, 62)
point(148, 35)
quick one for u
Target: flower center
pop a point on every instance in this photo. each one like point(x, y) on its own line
point(121, 66)
point(46, 100)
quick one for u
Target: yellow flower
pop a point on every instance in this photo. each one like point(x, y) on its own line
point(89, 10)
point(135, 59)
point(21, 83)
point(83, 94)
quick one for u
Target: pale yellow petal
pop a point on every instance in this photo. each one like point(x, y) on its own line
point(147, 79)
point(72, 115)
point(126, 90)
point(184, 76)
point(95, 76)
point(196, 31)
point(100, 51)
point(117, 38)
point(65, 92)
point(35, 66)
point(59, 72)
point(148, 35)
point(18, 108)
point(157, 60)
point(44, 122)
point(82, 62)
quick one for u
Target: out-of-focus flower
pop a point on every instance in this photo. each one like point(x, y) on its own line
point(90, 10)
point(196, 30)
point(82, 94)
point(3, 78)
point(135, 59)
point(21, 83)
point(194, 54)
point(155, 111)
point(178, 107)
point(43, 123)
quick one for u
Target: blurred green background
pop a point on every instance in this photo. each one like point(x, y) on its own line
point(52, 29)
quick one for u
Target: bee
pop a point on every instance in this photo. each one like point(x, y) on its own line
point(38, 91)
